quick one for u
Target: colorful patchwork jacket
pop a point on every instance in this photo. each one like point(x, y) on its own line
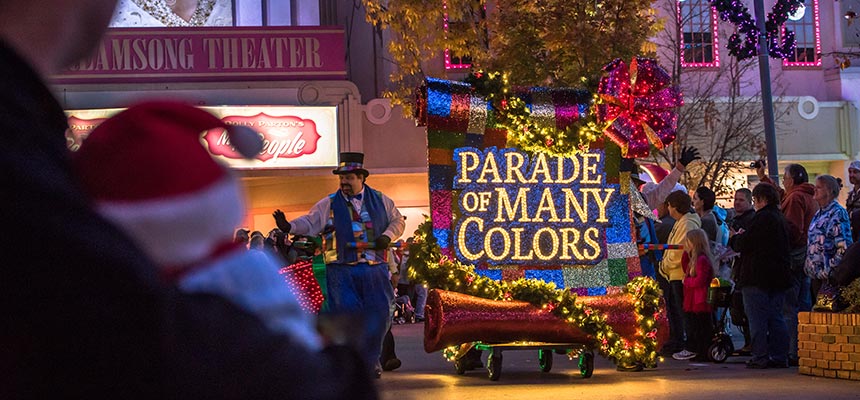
point(828, 236)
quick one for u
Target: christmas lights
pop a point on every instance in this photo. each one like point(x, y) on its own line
point(636, 106)
point(538, 120)
point(530, 189)
point(690, 18)
point(426, 264)
point(779, 45)
point(304, 285)
point(815, 41)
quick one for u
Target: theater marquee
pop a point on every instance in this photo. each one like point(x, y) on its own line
point(209, 54)
point(293, 137)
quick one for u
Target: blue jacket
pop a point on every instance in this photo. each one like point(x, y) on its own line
point(828, 237)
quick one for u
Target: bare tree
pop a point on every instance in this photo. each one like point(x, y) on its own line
point(722, 113)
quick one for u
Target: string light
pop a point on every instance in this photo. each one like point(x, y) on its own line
point(636, 105)
point(426, 263)
point(779, 45)
point(304, 285)
point(556, 122)
point(715, 44)
point(817, 32)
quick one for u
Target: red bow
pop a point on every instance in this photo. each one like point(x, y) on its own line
point(637, 106)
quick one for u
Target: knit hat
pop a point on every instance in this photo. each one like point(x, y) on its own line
point(854, 165)
point(148, 172)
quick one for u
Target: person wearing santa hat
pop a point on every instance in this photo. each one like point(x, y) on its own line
point(148, 173)
point(83, 314)
point(357, 278)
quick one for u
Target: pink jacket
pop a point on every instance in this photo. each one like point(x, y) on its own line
point(696, 287)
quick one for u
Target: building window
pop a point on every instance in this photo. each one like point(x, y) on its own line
point(699, 43)
point(468, 24)
point(453, 60)
point(805, 25)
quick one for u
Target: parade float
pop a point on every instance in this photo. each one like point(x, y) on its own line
point(531, 238)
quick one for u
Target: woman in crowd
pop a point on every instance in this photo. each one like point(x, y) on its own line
point(703, 202)
point(763, 278)
point(829, 232)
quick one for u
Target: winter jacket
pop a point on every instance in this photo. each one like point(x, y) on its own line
point(852, 205)
point(798, 207)
point(829, 236)
point(743, 221)
point(696, 287)
point(670, 267)
point(764, 260)
point(709, 224)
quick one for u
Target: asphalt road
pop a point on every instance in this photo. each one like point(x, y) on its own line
point(430, 377)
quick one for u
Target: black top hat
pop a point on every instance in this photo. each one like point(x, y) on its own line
point(351, 163)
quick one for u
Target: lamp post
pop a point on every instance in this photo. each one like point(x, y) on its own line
point(766, 95)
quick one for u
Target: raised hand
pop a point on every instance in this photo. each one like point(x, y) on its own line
point(281, 221)
point(688, 155)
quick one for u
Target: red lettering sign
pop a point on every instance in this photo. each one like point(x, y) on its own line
point(79, 129)
point(212, 54)
point(283, 137)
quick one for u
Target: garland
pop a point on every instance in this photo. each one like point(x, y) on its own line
point(526, 132)
point(736, 12)
point(426, 264)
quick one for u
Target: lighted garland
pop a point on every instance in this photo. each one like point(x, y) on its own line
point(428, 265)
point(304, 285)
point(524, 130)
point(736, 12)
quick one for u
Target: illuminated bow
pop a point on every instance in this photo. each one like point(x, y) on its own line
point(637, 105)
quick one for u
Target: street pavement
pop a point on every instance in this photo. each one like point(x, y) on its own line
point(429, 377)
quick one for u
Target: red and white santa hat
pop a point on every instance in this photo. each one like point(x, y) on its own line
point(148, 171)
point(652, 172)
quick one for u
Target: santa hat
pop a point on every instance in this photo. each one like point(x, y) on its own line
point(148, 172)
point(652, 173)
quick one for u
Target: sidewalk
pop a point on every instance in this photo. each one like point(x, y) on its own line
point(429, 377)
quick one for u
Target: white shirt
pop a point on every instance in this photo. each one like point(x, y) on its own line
point(315, 221)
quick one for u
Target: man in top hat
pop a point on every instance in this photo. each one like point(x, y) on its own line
point(357, 276)
point(852, 205)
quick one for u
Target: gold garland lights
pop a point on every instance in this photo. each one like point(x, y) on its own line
point(528, 133)
point(429, 266)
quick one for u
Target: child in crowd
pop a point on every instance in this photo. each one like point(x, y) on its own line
point(148, 173)
point(698, 264)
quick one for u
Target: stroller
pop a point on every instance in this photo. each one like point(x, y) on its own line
point(404, 313)
point(727, 302)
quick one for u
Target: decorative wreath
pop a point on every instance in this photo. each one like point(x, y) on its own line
point(780, 46)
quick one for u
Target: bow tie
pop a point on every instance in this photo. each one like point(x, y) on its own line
point(356, 197)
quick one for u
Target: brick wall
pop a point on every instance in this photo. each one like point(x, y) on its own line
point(829, 345)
